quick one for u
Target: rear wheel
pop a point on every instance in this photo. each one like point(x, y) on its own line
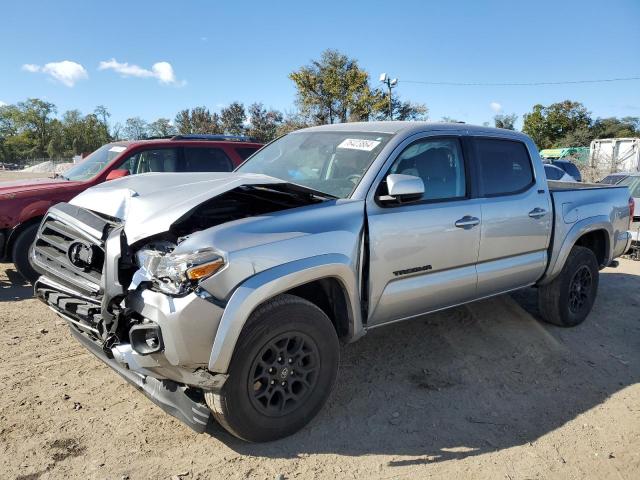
point(568, 299)
point(282, 371)
point(20, 253)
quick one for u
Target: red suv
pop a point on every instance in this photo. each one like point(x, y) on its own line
point(23, 203)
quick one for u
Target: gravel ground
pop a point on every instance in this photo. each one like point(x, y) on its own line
point(482, 391)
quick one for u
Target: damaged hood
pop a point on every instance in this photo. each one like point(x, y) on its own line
point(150, 203)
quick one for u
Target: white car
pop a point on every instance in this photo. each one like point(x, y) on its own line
point(557, 174)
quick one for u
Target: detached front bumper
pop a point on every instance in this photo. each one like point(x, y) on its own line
point(175, 399)
point(173, 378)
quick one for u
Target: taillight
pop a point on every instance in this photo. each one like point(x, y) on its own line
point(632, 207)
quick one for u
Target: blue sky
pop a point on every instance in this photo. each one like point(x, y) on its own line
point(212, 53)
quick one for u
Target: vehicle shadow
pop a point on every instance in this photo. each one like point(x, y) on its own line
point(470, 380)
point(13, 287)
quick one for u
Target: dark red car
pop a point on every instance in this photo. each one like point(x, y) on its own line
point(23, 203)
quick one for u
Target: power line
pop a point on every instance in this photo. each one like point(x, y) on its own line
point(520, 84)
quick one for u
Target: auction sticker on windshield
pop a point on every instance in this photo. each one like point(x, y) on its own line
point(359, 144)
point(117, 148)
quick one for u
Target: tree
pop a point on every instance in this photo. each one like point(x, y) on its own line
point(616, 127)
point(233, 118)
point(264, 124)
point(335, 89)
point(292, 121)
point(558, 124)
point(135, 128)
point(103, 115)
point(406, 110)
point(197, 120)
point(506, 121)
point(161, 128)
point(401, 110)
point(35, 117)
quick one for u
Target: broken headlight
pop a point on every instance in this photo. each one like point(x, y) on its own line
point(175, 273)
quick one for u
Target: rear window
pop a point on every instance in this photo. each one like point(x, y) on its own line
point(505, 167)
point(246, 152)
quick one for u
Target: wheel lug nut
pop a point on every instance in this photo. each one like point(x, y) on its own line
point(273, 382)
point(284, 384)
point(279, 359)
point(291, 360)
point(271, 370)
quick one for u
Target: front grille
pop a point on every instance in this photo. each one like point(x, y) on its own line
point(64, 250)
point(83, 312)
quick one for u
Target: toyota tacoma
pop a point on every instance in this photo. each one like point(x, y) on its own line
point(226, 295)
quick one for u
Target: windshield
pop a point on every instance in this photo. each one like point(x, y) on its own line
point(634, 185)
point(94, 163)
point(329, 162)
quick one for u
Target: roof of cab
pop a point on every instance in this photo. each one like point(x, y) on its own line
point(410, 127)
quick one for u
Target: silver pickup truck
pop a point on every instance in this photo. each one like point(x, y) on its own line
point(226, 295)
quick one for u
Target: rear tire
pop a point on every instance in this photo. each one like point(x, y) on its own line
point(20, 253)
point(282, 371)
point(567, 300)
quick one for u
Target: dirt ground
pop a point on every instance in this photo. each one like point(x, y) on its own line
point(11, 175)
point(482, 391)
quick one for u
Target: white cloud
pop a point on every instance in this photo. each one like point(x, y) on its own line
point(2, 104)
point(30, 67)
point(162, 71)
point(496, 107)
point(66, 72)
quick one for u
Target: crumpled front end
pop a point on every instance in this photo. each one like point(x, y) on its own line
point(158, 343)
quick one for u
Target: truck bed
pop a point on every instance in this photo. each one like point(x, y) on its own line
point(564, 186)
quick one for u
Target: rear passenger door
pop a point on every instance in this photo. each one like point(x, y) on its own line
point(516, 216)
point(206, 159)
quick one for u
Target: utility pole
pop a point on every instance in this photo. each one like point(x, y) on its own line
point(390, 83)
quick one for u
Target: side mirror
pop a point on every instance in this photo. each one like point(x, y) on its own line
point(403, 188)
point(119, 173)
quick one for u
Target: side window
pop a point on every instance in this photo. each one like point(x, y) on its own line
point(440, 165)
point(505, 167)
point(198, 159)
point(156, 160)
point(246, 152)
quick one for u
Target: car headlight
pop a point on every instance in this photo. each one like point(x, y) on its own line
point(174, 274)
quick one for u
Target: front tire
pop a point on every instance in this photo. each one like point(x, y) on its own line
point(20, 253)
point(567, 300)
point(282, 371)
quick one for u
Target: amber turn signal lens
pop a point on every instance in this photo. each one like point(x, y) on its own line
point(205, 270)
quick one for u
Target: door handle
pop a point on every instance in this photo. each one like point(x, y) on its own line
point(537, 213)
point(467, 222)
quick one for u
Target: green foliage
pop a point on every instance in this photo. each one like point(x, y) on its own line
point(135, 128)
point(161, 128)
point(506, 121)
point(197, 120)
point(557, 124)
point(28, 130)
point(292, 121)
point(335, 89)
point(264, 124)
point(233, 118)
point(569, 124)
point(616, 127)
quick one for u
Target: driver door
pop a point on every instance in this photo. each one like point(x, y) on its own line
point(423, 254)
